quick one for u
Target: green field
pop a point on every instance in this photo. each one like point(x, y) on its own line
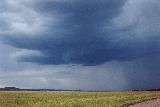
point(73, 99)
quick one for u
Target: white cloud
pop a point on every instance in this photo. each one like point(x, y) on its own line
point(142, 16)
point(43, 80)
point(25, 52)
point(80, 77)
point(18, 17)
point(2, 85)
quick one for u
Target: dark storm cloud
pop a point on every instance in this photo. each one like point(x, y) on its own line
point(122, 34)
point(83, 35)
point(78, 38)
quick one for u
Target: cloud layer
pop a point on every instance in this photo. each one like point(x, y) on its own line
point(79, 35)
point(88, 33)
point(107, 40)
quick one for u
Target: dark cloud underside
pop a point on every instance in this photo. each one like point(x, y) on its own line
point(82, 35)
point(79, 37)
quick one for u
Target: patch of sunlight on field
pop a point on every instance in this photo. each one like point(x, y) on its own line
point(73, 99)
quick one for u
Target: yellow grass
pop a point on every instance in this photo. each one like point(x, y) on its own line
point(73, 99)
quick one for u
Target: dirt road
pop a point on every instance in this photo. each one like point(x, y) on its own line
point(150, 103)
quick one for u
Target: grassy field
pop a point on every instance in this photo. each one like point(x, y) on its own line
point(73, 99)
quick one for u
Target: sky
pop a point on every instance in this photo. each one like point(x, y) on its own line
point(80, 44)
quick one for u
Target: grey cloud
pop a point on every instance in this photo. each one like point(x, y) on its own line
point(79, 37)
point(118, 44)
point(92, 33)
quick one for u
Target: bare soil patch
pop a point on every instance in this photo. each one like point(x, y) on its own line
point(150, 103)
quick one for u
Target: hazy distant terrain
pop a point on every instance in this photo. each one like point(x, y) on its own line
point(73, 99)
